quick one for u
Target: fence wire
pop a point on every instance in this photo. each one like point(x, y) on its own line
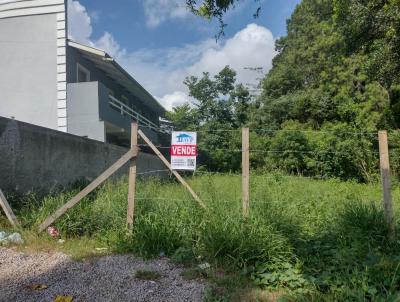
point(266, 130)
point(264, 151)
point(153, 171)
point(318, 158)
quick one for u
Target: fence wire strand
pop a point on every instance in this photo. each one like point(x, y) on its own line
point(266, 130)
point(265, 151)
point(153, 171)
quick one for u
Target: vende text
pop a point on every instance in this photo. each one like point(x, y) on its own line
point(183, 150)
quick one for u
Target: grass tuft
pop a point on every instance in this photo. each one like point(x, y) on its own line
point(147, 275)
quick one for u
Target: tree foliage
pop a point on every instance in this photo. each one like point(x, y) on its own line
point(215, 9)
point(337, 69)
point(335, 80)
point(220, 108)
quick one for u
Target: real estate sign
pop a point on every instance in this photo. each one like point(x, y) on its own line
point(183, 150)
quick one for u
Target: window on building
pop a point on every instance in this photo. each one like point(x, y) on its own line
point(83, 75)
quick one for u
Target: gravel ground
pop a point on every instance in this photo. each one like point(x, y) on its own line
point(108, 278)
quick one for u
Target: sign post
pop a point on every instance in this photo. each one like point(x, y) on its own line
point(165, 161)
point(183, 150)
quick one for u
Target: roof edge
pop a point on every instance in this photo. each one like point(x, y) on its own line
point(106, 56)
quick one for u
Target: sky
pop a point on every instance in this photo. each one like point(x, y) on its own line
point(160, 43)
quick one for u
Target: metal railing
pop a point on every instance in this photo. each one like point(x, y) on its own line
point(125, 109)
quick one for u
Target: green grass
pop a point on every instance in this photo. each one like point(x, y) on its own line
point(193, 274)
point(313, 240)
point(147, 275)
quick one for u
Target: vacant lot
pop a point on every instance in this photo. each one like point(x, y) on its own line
point(306, 239)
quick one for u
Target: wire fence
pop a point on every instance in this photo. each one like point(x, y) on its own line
point(318, 157)
point(364, 152)
point(318, 160)
point(243, 171)
point(269, 130)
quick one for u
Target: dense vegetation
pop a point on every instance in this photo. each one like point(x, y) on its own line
point(337, 73)
point(308, 239)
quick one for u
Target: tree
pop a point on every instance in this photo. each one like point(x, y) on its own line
point(220, 104)
point(183, 117)
point(372, 27)
point(317, 77)
point(337, 68)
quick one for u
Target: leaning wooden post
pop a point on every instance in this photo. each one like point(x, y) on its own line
point(132, 176)
point(385, 175)
point(245, 171)
point(7, 210)
point(93, 185)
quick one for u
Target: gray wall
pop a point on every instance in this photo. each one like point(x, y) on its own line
point(28, 69)
point(83, 110)
point(34, 158)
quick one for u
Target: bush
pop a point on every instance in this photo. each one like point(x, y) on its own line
point(290, 150)
point(337, 150)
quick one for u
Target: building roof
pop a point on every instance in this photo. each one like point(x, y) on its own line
point(108, 65)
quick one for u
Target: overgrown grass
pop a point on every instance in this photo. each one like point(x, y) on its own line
point(314, 240)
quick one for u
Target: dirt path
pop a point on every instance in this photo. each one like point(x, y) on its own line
point(108, 278)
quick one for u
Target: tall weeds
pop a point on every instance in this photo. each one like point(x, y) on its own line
point(319, 240)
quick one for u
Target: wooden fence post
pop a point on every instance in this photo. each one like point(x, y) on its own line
point(385, 175)
point(245, 171)
point(7, 210)
point(132, 176)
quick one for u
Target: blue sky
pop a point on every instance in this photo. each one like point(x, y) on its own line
point(160, 43)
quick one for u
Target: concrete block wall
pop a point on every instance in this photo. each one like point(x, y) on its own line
point(34, 158)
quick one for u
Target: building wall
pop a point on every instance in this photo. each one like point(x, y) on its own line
point(83, 111)
point(87, 118)
point(74, 57)
point(32, 65)
point(35, 158)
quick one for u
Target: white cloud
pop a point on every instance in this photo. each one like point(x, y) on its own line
point(108, 43)
point(253, 46)
point(158, 11)
point(79, 22)
point(174, 99)
point(162, 71)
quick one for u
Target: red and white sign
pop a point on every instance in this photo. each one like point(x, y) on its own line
point(183, 150)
